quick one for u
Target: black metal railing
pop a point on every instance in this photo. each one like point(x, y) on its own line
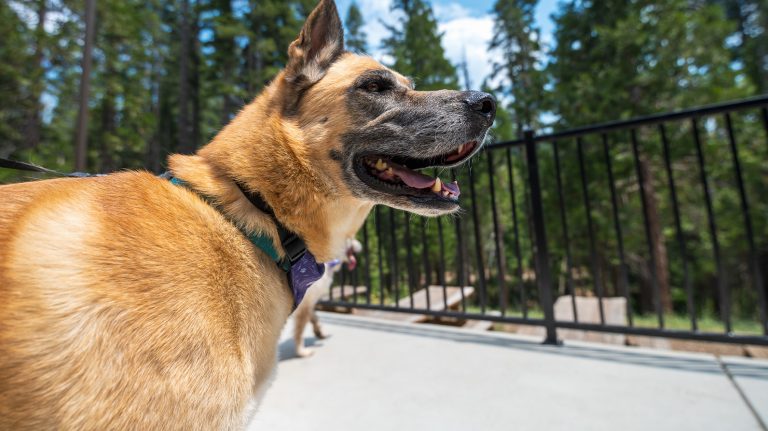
point(666, 213)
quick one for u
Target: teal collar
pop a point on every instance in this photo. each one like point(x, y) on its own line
point(260, 240)
point(299, 264)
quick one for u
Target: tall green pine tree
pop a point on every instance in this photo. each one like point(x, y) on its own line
point(416, 47)
point(355, 37)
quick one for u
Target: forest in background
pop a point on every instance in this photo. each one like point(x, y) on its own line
point(154, 77)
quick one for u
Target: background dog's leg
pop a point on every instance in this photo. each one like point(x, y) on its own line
point(316, 326)
point(302, 315)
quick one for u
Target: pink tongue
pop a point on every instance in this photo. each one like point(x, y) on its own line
point(413, 178)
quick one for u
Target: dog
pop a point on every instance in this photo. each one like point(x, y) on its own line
point(133, 302)
point(305, 312)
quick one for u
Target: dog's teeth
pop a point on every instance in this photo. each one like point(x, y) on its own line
point(380, 165)
point(446, 193)
point(461, 148)
point(438, 186)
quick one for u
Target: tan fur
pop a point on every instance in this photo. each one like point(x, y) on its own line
point(129, 303)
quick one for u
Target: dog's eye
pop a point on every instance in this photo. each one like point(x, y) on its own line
point(373, 87)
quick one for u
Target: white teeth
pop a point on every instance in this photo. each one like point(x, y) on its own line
point(446, 193)
point(461, 148)
point(438, 186)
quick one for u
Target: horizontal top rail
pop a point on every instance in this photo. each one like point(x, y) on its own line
point(641, 121)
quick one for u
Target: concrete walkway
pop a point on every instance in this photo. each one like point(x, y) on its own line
point(374, 375)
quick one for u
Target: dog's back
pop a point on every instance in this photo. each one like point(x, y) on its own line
point(90, 297)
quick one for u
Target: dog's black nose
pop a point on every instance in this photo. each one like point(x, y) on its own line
point(482, 103)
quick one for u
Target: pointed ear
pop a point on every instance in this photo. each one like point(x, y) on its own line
point(319, 44)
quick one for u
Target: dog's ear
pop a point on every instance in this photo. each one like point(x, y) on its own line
point(319, 44)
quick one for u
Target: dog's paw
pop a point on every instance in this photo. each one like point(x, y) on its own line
point(305, 352)
point(320, 335)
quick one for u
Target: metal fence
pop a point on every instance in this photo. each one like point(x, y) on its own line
point(668, 213)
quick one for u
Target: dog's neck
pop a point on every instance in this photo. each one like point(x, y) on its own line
point(267, 155)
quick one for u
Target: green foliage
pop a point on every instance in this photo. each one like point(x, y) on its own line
point(517, 39)
point(355, 37)
point(618, 59)
point(416, 47)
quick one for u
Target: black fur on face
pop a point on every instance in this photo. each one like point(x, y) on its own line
point(417, 128)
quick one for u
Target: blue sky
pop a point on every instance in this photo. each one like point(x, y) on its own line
point(467, 24)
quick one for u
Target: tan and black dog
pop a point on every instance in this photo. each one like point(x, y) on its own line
point(127, 302)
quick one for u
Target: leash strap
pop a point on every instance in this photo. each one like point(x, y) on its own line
point(29, 167)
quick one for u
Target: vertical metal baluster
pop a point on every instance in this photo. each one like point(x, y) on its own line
point(425, 252)
point(590, 230)
point(617, 228)
point(343, 282)
point(543, 275)
point(764, 113)
point(409, 256)
point(441, 272)
point(478, 243)
point(648, 239)
point(754, 262)
point(393, 257)
point(518, 255)
point(725, 307)
point(566, 236)
point(461, 254)
point(367, 254)
point(690, 300)
point(379, 246)
point(500, 258)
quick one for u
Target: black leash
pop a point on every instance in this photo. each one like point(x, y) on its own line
point(29, 167)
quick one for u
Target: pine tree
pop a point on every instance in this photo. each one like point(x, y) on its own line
point(355, 37)
point(615, 59)
point(81, 139)
point(15, 102)
point(517, 39)
point(416, 47)
point(751, 46)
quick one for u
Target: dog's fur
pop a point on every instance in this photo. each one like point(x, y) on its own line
point(131, 303)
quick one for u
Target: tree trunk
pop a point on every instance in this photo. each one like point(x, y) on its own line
point(658, 244)
point(152, 161)
point(184, 132)
point(81, 149)
point(195, 84)
point(107, 126)
point(33, 123)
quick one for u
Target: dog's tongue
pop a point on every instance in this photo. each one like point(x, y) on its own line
point(418, 180)
point(412, 178)
point(351, 260)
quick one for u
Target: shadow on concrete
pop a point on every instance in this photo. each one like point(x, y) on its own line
point(624, 355)
point(286, 350)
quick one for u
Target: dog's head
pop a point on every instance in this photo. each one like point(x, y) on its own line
point(369, 130)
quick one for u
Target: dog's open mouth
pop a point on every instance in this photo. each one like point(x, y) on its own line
point(398, 174)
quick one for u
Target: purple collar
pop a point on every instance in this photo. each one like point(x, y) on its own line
point(303, 274)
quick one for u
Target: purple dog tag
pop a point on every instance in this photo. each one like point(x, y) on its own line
point(303, 274)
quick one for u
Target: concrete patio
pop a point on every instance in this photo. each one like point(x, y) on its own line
point(381, 375)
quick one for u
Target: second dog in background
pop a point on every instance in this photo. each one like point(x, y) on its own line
point(305, 312)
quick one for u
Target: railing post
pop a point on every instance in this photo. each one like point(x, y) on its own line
point(543, 275)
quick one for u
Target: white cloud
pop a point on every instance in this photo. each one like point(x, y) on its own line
point(450, 11)
point(470, 35)
point(462, 32)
